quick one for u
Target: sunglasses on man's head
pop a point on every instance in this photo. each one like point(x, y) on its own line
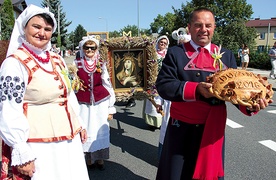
point(89, 47)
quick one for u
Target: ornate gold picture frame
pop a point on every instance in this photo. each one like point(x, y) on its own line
point(138, 55)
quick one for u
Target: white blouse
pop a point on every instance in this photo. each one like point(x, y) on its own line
point(14, 127)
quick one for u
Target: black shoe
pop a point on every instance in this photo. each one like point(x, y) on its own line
point(101, 167)
point(152, 128)
point(91, 166)
point(131, 103)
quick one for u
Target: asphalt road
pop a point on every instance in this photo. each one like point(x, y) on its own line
point(133, 148)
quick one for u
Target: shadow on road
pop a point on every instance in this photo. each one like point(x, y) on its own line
point(120, 137)
point(114, 171)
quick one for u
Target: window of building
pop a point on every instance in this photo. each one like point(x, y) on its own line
point(274, 35)
point(261, 48)
point(262, 35)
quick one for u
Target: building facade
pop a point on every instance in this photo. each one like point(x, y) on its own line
point(266, 29)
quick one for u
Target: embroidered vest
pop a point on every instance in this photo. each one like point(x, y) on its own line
point(50, 116)
point(94, 89)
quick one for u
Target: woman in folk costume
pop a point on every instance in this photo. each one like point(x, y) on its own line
point(39, 120)
point(96, 101)
point(151, 116)
point(182, 38)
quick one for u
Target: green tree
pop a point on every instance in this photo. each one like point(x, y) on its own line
point(70, 39)
point(146, 32)
point(165, 25)
point(132, 28)
point(230, 15)
point(7, 20)
point(56, 8)
point(114, 34)
point(78, 34)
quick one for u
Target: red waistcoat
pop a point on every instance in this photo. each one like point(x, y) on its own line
point(94, 89)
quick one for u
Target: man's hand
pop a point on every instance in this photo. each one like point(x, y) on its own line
point(203, 89)
point(262, 104)
point(27, 169)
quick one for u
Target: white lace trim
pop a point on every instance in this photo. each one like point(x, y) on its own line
point(38, 51)
point(21, 154)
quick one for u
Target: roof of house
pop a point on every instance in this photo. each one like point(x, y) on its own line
point(261, 22)
point(18, 5)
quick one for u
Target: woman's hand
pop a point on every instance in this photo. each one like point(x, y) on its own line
point(27, 169)
point(83, 135)
point(159, 108)
point(110, 117)
point(130, 79)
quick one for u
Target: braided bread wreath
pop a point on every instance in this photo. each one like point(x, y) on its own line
point(240, 86)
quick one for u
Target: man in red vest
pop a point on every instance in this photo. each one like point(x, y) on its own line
point(194, 141)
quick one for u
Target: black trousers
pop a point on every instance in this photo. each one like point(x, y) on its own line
point(180, 150)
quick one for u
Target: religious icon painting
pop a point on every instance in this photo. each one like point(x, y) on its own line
point(132, 65)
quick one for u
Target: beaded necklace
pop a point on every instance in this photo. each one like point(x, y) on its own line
point(162, 53)
point(90, 68)
point(43, 60)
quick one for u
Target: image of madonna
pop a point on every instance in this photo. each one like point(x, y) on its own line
point(127, 76)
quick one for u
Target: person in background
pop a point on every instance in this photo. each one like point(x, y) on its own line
point(272, 55)
point(151, 116)
point(240, 54)
point(167, 104)
point(194, 142)
point(185, 37)
point(54, 48)
point(39, 122)
point(96, 102)
point(245, 57)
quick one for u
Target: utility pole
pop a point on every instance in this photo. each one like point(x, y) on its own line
point(48, 3)
point(138, 18)
point(106, 23)
point(268, 33)
point(59, 20)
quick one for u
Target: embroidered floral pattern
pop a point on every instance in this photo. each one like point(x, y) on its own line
point(11, 88)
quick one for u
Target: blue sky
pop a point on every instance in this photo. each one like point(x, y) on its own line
point(116, 14)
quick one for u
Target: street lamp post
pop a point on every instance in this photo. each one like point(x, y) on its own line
point(106, 24)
